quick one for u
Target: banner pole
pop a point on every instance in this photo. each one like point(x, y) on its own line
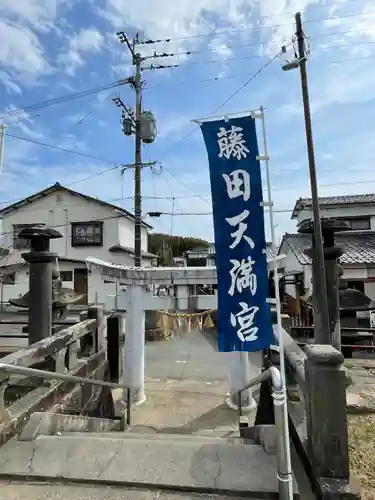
point(276, 281)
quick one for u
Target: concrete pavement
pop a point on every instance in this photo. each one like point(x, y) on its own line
point(42, 491)
point(186, 385)
point(190, 356)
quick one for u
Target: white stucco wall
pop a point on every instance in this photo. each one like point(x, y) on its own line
point(341, 211)
point(21, 285)
point(291, 264)
point(126, 235)
point(370, 289)
point(59, 209)
point(359, 272)
point(98, 290)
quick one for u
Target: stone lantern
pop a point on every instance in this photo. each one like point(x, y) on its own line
point(46, 299)
point(343, 302)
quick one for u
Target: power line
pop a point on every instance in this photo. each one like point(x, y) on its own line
point(112, 217)
point(252, 77)
point(340, 46)
point(244, 58)
point(283, 210)
point(266, 42)
point(114, 200)
point(186, 185)
point(206, 214)
point(238, 75)
point(359, 30)
point(102, 219)
point(205, 196)
point(64, 150)
point(60, 100)
point(97, 174)
point(337, 61)
point(247, 82)
point(252, 29)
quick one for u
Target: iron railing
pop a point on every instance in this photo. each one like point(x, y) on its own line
point(33, 372)
point(284, 467)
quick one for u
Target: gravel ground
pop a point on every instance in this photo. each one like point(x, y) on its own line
point(362, 453)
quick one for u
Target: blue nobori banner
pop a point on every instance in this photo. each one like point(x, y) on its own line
point(244, 317)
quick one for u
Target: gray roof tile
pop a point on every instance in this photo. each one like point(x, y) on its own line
point(13, 258)
point(58, 187)
point(359, 247)
point(334, 200)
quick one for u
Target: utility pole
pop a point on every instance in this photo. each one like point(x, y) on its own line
point(322, 332)
point(134, 352)
point(136, 81)
point(138, 163)
point(2, 135)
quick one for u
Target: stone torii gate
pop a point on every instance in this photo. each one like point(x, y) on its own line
point(138, 296)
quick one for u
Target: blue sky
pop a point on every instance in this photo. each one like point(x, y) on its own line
point(51, 48)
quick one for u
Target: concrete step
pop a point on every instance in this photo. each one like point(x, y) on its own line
point(58, 491)
point(265, 435)
point(162, 436)
point(51, 424)
point(193, 465)
point(219, 431)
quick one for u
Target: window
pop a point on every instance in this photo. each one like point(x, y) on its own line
point(21, 243)
point(66, 275)
point(87, 234)
point(356, 285)
point(357, 223)
point(9, 279)
point(360, 223)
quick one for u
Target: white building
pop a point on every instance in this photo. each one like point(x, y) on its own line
point(201, 256)
point(358, 260)
point(89, 227)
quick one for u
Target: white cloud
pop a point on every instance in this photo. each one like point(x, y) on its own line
point(8, 83)
point(37, 13)
point(173, 126)
point(220, 47)
point(21, 54)
point(23, 123)
point(86, 41)
point(22, 57)
point(183, 22)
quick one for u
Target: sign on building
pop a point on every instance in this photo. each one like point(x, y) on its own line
point(244, 318)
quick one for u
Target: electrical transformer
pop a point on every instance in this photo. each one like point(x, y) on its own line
point(127, 126)
point(148, 127)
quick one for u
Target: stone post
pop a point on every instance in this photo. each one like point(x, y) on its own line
point(40, 260)
point(182, 299)
point(114, 350)
point(96, 312)
point(134, 362)
point(326, 419)
point(332, 271)
point(319, 334)
point(238, 377)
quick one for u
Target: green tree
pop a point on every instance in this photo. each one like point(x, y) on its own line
point(166, 246)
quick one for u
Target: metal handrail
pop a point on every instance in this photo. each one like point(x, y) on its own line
point(33, 372)
point(284, 467)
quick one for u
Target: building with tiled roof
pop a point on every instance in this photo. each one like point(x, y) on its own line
point(358, 210)
point(358, 247)
point(88, 227)
point(358, 244)
point(334, 201)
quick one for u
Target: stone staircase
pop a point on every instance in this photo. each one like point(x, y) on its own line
point(70, 457)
